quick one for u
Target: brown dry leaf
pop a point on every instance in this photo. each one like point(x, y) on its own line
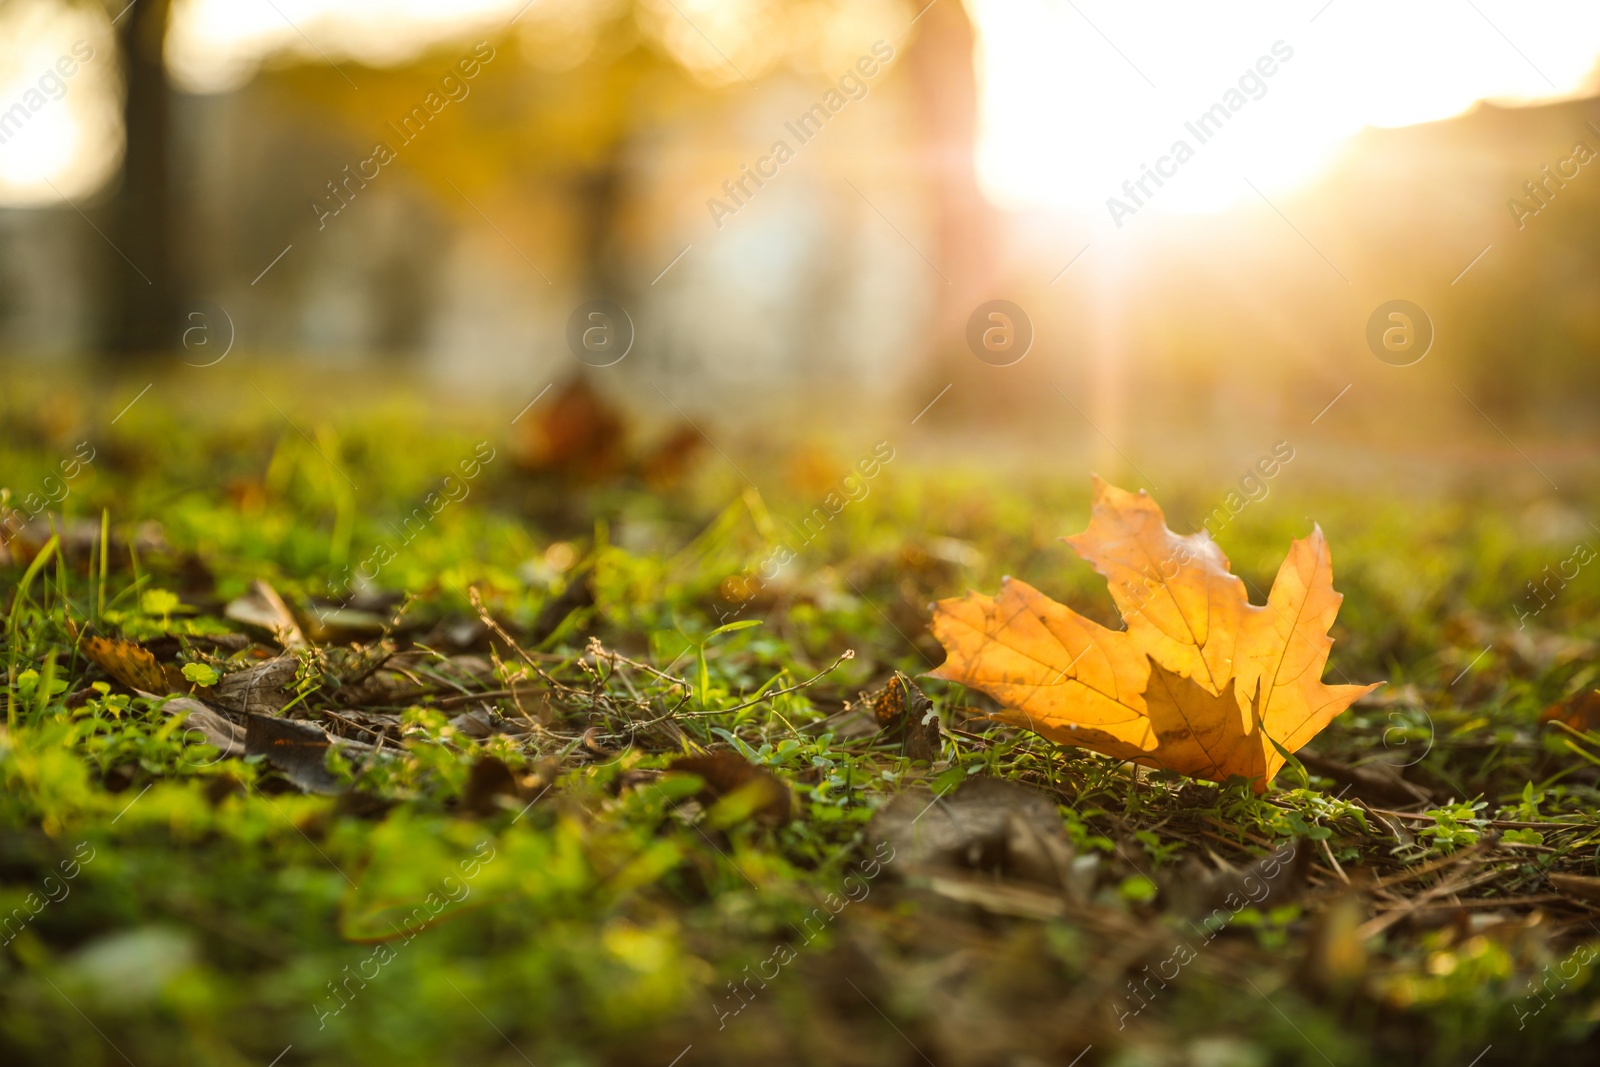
point(488, 783)
point(577, 435)
point(298, 749)
point(988, 825)
point(669, 463)
point(1581, 712)
point(225, 735)
point(726, 773)
point(264, 689)
point(1582, 886)
point(1201, 681)
point(263, 607)
point(905, 714)
point(134, 666)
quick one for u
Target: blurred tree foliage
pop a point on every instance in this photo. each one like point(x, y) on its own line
point(571, 88)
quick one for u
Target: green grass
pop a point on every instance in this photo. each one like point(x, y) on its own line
point(216, 915)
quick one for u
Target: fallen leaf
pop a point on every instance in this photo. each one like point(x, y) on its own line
point(726, 773)
point(669, 463)
point(264, 608)
point(478, 722)
point(264, 689)
point(1202, 681)
point(987, 825)
point(329, 623)
point(1582, 886)
point(298, 749)
point(1581, 712)
point(488, 782)
point(905, 714)
point(134, 666)
point(224, 735)
point(577, 436)
point(1380, 782)
point(999, 898)
point(1276, 879)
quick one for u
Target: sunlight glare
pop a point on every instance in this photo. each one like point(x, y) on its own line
point(1079, 97)
point(59, 132)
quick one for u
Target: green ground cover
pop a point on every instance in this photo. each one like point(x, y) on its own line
point(496, 865)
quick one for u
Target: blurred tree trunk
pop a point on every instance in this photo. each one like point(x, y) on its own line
point(143, 316)
point(943, 70)
point(601, 191)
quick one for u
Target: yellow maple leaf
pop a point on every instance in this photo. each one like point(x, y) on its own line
point(1202, 681)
